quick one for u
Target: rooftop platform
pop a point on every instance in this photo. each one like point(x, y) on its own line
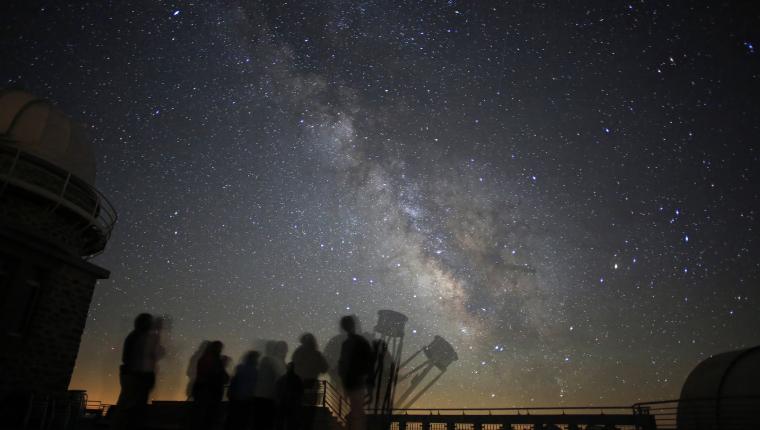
point(330, 411)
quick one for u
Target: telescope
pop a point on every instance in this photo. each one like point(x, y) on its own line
point(389, 370)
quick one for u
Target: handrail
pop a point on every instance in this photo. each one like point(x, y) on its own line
point(334, 401)
point(339, 406)
point(518, 409)
point(658, 414)
point(65, 190)
point(704, 410)
point(696, 399)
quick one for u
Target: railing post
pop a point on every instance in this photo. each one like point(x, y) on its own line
point(11, 169)
point(62, 195)
point(324, 394)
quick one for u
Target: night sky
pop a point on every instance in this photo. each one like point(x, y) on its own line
point(565, 191)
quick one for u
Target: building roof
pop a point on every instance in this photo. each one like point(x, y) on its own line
point(39, 128)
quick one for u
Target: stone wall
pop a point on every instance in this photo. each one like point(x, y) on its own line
point(45, 298)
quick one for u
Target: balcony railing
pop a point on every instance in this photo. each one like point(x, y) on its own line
point(624, 417)
point(92, 216)
point(735, 413)
point(712, 413)
point(567, 418)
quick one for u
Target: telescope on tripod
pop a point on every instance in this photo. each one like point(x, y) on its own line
point(390, 372)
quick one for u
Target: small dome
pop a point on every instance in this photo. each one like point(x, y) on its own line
point(39, 128)
point(722, 392)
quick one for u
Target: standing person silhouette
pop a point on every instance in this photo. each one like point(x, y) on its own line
point(241, 392)
point(308, 364)
point(137, 374)
point(289, 389)
point(354, 367)
point(208, 389)
point(192, 368)
point(271, 368)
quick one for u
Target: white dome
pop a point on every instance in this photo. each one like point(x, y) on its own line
point(39, 128)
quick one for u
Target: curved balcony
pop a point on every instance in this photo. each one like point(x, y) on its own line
point(49, 200)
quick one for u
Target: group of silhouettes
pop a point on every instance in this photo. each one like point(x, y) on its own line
point(264, 393)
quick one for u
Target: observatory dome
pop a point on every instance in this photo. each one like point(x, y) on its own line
point(37, 127)
point(722, 392)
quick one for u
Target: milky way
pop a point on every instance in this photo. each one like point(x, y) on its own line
point(564, 192)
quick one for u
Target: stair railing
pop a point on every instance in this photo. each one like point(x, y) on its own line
point(334, 401)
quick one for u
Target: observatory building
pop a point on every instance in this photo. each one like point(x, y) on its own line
point(722, 392)
point(52, 220)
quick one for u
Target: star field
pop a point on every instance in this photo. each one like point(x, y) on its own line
point(565, 192)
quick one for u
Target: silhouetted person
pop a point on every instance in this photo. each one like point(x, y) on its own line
point(289, 395)
point(137, 374)
point(192, 368)
point(332, 354)
point(208, 389)
point(241, 392)
point(309, 363)
point(354, 367)
point(271, 367)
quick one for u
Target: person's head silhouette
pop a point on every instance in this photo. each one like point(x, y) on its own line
point(143, 322)
point(308, 341)
point(348, 324)
point(281, 350)
point(251, 358)
point(214, 349)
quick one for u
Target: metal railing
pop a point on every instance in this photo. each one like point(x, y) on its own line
point(684, 414)
point(51, 411)
point(60, 190)
point(96, 408)
point(565, 417)
point(664, 412)
point(330, 398)
point(561, 410)
point(713, 413)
